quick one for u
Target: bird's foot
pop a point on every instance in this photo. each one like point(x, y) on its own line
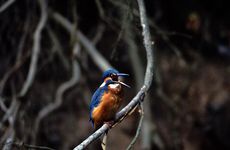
point(110, 123)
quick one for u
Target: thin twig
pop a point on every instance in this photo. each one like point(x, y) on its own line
point(13, 112)
point(58, 48)
point(10, 112)
point(6, 5)
point(100, 30)
point(36, 48)
point(20, 59)
point(125, 18)
point(100, 8)
point(58, 98)
point(12, 70)
point(22, 145)
point(98, 59)
point(2, 105)
point(138, 131)
point(28, 146)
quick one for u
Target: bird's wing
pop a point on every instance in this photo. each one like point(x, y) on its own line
point(96, 98)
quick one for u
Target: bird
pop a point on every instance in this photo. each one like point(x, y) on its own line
point(107, 99)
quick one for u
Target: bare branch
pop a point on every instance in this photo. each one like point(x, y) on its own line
point(58, 48)
point(36, 48)
point(147, 43)
point(98, 59)
point(100, 30)
point(12, 70)
point(100, 8)
point(2, 105)
point(138, 128)
point(8, 144)
point(59, 94)
point(6, 5)
point(20, 60)
point(10, 112)
point(22, 145)
point(11, 116)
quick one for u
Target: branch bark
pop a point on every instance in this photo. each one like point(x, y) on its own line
point(6, 5)
point(150, 64)
point(147, 43)
point(138, 131)
point(36, 48)
point(11, 115)
point(58, 48)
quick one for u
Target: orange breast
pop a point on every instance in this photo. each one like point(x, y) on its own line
point(108, 107)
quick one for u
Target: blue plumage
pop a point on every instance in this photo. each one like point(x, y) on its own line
point(95, 101)
point(109, 72)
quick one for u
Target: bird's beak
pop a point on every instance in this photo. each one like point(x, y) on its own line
point(122, 75)
point(122, 83)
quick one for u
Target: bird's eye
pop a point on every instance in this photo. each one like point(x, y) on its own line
point(114, 77)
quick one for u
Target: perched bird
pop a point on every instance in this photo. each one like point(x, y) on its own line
point(107, 98)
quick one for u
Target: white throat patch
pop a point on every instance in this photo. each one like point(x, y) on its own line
point(113, 86)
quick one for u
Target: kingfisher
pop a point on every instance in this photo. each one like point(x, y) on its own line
point(107, 98)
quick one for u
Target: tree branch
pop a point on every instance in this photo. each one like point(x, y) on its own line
point(36, 48)
point(58, 48)
point(2, 105)
point(147, 43)
point(6, 5)
point(138, 131)
point(98, 59)
point(22, 145)
point(20, 59)
point(11, 115)
point(58, 98)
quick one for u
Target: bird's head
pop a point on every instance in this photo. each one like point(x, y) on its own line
point(112, 76)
